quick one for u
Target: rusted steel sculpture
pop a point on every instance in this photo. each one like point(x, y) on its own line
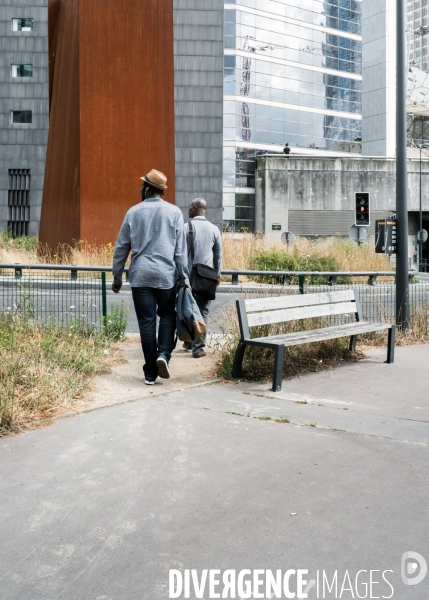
point(112, 113)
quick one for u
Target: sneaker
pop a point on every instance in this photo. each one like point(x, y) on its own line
point(149, 382)
point(200, 355)
point(163, 370)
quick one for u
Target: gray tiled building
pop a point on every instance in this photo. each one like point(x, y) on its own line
point(24, 113)
point(198, 73)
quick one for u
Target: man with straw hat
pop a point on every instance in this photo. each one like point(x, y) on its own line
point(154, 232)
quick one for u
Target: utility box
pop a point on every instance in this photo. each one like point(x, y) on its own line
point(385, 236)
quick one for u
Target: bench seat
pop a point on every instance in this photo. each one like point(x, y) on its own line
point(287, 308)
point(318, 335)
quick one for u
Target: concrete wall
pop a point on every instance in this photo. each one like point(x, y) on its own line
point(23, 146)
point(198, 64)
point(378, 78)
point(315, 196)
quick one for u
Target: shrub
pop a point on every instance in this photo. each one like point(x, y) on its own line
point(276, 259)
point(115, 322)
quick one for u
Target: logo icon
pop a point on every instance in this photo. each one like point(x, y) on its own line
point(414, 568)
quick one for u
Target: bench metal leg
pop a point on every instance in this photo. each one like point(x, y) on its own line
point(353, 341)
point(391, 345)
point(238, 361)
point(279, 354)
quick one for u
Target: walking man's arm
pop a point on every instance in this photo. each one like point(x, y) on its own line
point(217, 255)
point(181, 253)
point(122, 250)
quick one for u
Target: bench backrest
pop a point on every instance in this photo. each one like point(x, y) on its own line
point(266, 311)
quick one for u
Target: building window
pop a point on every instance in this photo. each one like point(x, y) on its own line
point(22, 24)
point(22, 70)
point(22, 116)
point(19, 202)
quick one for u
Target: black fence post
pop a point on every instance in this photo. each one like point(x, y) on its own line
point(301, 279)
point(104, 293)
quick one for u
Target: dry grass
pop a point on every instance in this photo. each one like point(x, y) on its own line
point(238, 252)
point(27, 250)
point(241, 252)
point(44, 369)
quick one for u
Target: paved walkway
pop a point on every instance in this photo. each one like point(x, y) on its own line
point(100, 506)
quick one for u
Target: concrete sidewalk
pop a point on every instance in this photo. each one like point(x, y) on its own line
point(102, 505)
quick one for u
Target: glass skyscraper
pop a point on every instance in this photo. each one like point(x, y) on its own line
point(292, 73)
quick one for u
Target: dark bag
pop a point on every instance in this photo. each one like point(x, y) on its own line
point(203, 278)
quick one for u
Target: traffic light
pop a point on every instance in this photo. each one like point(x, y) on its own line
point(362, 208)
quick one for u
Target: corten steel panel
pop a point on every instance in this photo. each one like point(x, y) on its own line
point(112, 114)
point(53, 19)
point(126, 107)
point(60, 218)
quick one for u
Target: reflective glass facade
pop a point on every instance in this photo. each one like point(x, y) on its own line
point(292, 73)
point(418, 31)
point(418, 44)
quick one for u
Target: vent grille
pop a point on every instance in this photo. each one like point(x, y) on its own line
point(329, 222)
point(19, 202)
point(320, 222)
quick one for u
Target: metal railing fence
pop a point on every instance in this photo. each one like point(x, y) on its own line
point(54, 293)
point(69, 292)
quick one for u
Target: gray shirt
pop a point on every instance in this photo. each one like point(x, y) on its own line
point(207, 244)
point(154, 231)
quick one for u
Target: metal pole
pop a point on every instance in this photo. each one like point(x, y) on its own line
point(103, 294)
point(421, 216)
point(402, 291)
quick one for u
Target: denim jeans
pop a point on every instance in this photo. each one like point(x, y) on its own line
point(204, 306)
point(148, 302)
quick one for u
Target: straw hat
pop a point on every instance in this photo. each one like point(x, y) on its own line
point(156, 179)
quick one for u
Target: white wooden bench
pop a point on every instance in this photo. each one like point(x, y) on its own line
point(266, 311)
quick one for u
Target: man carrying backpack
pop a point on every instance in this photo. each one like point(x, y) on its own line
point(204, 262)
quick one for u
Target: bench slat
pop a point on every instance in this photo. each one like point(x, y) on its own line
point(327, 333)
point(295, 300)
point(307, 312)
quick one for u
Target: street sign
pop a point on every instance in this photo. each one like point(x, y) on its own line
point(358, 234)
point(288, 237)
point(385, 236)
point(422, 236)
point(276, 227)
